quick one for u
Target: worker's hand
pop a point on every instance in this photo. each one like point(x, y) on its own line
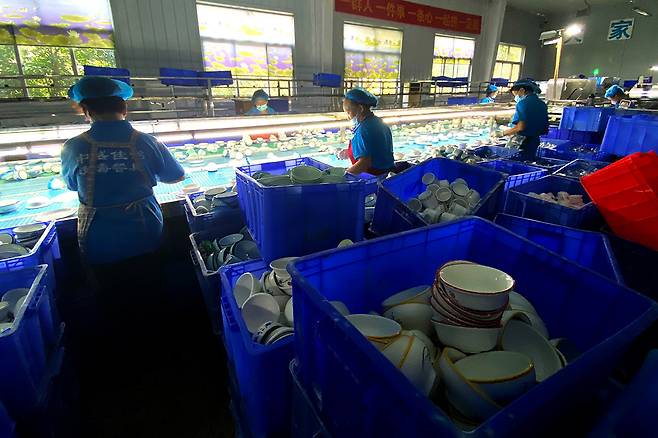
point(342, 154)
point(497, 134)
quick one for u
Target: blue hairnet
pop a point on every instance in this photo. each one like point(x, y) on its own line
point(91, 87)
point(613, 91)
point(359, 95)
point(260, 94)
point(527, 83)
point(491, 88)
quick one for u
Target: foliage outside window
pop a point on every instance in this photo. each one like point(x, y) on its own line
point(372, 57)
point(235, 39)
point(52, 38)
point(509, 61)
point(452, 58)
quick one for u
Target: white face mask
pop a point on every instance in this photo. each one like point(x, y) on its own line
point(261, 107)
point(518, 98)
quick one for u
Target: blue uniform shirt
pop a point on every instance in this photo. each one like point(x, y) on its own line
point(254, 111)
point(373, 138)
point(534, 113)
point(487, 100)
point(118, 233)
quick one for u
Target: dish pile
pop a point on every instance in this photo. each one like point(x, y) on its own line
point(562, 198)
point(266, 303)
point(214, 198)
point(20, 241)
point(442, 200)
point(468, 341)
point(300, 175)
point(8, 205)
point(230, 249)
point(12, 302)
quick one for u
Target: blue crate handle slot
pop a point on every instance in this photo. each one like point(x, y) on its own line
point(228, 314)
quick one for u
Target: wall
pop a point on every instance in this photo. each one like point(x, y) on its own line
point(626, 59)
point(523, 29)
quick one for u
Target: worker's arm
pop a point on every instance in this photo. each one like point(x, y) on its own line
point(361, 166)
point(169, 170)
point(520, 126)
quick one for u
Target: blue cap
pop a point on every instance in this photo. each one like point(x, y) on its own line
point(526, 83)
point(613, 91)
point(491, 88)
point(91, 87)
point(260, 94)
point(364, 97)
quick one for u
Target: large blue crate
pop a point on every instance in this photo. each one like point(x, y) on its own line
point(391, 212)
point(574, 136)
point(517, 173)
point(44, 252)
point(587, 248)
point(571, 151)
point(579, 167)
point(519, 203)
point(7, 425)
point(209, 281)
point(300, 219)
point(225, 216)
point(30, 349)
point(626, 135)
point(306, 422)
point(550, 164)
point(637, 264)
point(495, 152)
point(262, 371)
point(590, 119)
point(354, 387)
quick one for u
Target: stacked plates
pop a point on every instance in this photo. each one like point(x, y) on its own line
point(12, 302)
point(8, 205)
point(228, 250)
point(28, 235)
point(12, 250)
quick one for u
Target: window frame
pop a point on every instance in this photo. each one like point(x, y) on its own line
point(443, 61)
point(502, 63)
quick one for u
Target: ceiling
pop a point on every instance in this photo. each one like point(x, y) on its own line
point(570, 6)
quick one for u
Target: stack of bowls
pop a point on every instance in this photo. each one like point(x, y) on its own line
point(306, 175)
point(11, 304)
point(230, 249)
point(469, 300)
point(442, 200)
point(28, 235)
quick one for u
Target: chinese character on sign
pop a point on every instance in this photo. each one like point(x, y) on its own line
point(400, 11)
point(367, 7)
point(390, 9)
point(621, 29)
point(420, 16)
point(357, 6)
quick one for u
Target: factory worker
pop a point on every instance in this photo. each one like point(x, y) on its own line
point(530, 119)
point(114, 168)
point(618, 97)
point(371, 148)
point(492, 92)
point(260, 99)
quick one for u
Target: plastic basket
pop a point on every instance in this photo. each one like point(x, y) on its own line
point(262, 373)
point(550, 164)
point(7, 425)
point(30, 349)
point(44, 252)
point(495, 152)
point(572, 151)
point(305, 420)
point(578, 168)
point(354, 387)
point(209, 281)
point(219, 217)
point(574, 136)
point(626, 193)
point(517, 173)
point(586, 248)
point(591, 119)
point(625, 135)
point(519, 203)
point(300, 219)
point(391, 212)
point(637, 264)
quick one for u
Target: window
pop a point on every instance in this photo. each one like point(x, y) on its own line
point(237, 40)
point(52, 38)
point(509, 61)
point(452, 58)
point(372, 57)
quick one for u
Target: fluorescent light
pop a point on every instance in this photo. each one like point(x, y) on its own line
point(654, 68)
point(642, 12)
point(551, 42)
point(573, 30)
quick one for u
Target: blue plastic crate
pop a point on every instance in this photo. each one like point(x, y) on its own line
point(391, 212)
point(209, 281)
point(262, 371)
point(637, 264)
point(120, 74)
point(569, 150)
point(517, 173)
point(550, 164)
point(300, 219)
point(44, 252)
point(577, 136)
point(462, 100)
point(495, 152)
point(519, 203)
point(587, 248)
point(589, 119)
point(29, 350)
point(327, 80)
point(634, 412)
point(625, 135)
point(217, 78)
point(305, 419)
point(578, 168)
point(225, 216)
point(173, 76)
point(354, 387)
point(7, 425)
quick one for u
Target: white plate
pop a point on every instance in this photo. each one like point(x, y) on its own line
point(54, 215)
point(29, 229)
point(37, 202)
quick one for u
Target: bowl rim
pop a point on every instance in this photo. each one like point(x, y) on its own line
point(440, 290)
point(439, 277)
point(509, 378)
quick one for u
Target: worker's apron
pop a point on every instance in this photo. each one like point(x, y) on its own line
point(87, 211)
point(350, 155)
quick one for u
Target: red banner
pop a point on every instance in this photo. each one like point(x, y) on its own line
point(403, 11)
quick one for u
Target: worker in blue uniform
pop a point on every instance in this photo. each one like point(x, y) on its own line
point(618, 97)
point(492, 92)
point(371, 148)
point(530, 119)
point(260, 101)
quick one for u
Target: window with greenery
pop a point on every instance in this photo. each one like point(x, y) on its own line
point(452, 58)
point(236, 39)
point(52, 38)
point(509, 61)
point(372, 57)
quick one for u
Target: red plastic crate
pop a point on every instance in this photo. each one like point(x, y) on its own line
point(626, 194)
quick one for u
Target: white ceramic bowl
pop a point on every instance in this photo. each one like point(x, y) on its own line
point(476, 287)
point(426, 340)
point(282, 301)
point(466, 339)
point(288, 313)
point(502, 375)
point(13, 295)
point(279, 267)
point(379, 330)
point(529, 318)
point(341, 307)
point(418, 294)
point(519, 302)
point(413, 358)
point(523, 338)
point(5, 309)
point(412, 316)
point(258, 309)
point(246, 286)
